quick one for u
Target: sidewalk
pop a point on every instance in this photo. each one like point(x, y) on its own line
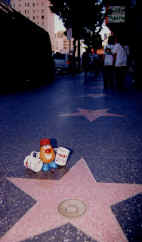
point(97, 197)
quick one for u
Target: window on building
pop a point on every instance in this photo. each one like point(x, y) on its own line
point(42, 17)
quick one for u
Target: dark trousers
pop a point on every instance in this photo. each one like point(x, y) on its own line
point(108, 74)
point(86, 70)
point(120, 75)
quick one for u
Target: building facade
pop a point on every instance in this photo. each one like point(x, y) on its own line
point(26, 52)
point(37, 11)
point(61, 43)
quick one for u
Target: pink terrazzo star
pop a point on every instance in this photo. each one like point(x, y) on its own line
point(92, 115)
point(95, 95)
point(98, 221)
point(98, 87)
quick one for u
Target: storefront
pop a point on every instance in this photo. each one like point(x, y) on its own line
point(117, 19)
point(121, 20)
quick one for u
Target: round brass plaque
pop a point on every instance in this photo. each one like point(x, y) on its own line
point(72, 208)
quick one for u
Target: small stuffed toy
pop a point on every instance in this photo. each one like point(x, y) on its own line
point(33, 162)
point(47, 155)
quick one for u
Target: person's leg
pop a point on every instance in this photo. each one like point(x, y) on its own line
point(124, 76)
point(119, 77)
point(106, 76)
point(85, 74)
point(111, 71)
point(96, 70)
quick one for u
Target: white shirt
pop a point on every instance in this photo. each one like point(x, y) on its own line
point(108, 57)
point(121, 55)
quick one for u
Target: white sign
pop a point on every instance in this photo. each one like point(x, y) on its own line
point(117, 15)
point(61, 156)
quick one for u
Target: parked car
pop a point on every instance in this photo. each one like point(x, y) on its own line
point(61, 62)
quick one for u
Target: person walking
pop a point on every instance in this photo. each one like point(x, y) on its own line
point(86, 62)
point(108, 70)
point(120, 61)
point(95, 63)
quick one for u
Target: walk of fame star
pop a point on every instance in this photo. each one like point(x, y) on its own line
point(95, 95)
point(92, 115)
point(98, 87)
point(98, 221)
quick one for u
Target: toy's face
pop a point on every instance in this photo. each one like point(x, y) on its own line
point(47, 153)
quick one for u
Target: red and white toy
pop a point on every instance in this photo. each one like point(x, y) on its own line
point(48, 158)
point(62, 155)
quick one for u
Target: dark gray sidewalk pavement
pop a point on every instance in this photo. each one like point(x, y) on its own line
point(101, 126)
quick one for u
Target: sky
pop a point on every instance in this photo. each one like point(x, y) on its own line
point(58, 24)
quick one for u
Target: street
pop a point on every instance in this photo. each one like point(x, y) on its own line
point(103, 130)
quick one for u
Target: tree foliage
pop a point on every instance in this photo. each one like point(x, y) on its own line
point(85, 17)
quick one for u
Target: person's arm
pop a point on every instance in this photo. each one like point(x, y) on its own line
point(114, 54)
point(114, 59)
